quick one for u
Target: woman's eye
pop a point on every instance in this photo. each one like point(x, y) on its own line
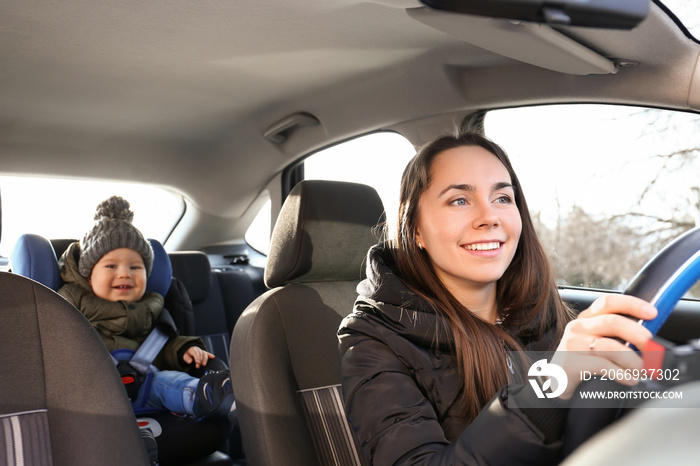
point(460, 201)
point(505, 199)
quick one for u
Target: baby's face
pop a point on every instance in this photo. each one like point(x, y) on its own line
point(120, 275)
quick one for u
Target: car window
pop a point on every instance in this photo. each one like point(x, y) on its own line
point(258, 233)
point(61, 208)
point(608, 186)
point(377, 160)
point(688, 12)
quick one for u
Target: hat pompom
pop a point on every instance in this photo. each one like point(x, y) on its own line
point(115, 207)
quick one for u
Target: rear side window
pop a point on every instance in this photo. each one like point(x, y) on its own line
point(61, 208)
point(377, 160)
point(608, 186)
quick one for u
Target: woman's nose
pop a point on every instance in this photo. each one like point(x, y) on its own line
point(485, 216)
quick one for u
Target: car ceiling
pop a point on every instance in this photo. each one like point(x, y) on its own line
point(179, 93)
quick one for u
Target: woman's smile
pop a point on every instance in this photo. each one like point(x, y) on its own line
point(485, 248)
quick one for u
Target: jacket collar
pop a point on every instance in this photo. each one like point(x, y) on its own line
point(384, 296)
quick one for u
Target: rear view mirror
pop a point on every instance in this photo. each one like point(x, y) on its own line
point(609, 14)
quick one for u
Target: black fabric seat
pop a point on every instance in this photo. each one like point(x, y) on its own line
point(61, 398)
point(284, 352)
point(218, 298)
point(217, 301)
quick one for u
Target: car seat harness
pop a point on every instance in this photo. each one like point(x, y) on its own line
point(136, 368)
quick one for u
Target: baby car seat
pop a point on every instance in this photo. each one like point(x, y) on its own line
point(181, 440)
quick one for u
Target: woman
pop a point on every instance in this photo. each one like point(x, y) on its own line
point(463, 281)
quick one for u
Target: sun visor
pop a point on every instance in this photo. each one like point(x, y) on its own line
point(532, 43)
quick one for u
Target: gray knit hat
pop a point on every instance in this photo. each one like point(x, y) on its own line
point(112, 230)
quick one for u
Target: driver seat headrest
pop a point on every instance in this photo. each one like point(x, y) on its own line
point(323, 233)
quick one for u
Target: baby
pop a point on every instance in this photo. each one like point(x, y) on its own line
point(105, 276)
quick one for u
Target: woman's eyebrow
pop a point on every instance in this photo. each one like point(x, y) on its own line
point(502, 185)
point(458, 187)
point(472, 188)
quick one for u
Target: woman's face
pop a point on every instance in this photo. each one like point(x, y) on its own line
point(468, 221)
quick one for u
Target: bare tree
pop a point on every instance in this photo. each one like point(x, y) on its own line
point(592, 251)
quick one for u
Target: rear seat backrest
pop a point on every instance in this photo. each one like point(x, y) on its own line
point(218, 298)
point(237, 291)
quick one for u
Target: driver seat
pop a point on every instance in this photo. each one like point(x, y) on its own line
point(284, 350)
point(61, 399)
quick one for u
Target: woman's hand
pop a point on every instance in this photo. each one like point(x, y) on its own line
point(198, 356)
point(589, 342)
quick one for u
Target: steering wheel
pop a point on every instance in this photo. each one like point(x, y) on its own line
point(662, 282)
point(668, 276)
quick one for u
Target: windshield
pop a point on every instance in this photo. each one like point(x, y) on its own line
point(608, 186)
point(688, 11)
point(60, 208)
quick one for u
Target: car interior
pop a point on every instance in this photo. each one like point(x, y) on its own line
point(260, 145)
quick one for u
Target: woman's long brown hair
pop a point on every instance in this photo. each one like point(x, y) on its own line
point(526, 295)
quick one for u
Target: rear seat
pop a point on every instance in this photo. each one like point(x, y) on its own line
point(218, 298)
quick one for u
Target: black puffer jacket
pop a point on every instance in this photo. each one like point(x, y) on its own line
point(401, 387)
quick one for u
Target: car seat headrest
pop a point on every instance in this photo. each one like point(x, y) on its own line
point(162, 272)
point(323, 233)
point(34, 257)
point(194, 270)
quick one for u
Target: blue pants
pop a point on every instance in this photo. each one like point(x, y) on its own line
point(173, 391)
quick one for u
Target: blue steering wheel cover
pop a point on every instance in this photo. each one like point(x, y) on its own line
point(676, 287)
point(668, 276)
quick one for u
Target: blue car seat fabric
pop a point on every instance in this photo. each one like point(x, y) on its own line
point(34, 257)
point(159, 281)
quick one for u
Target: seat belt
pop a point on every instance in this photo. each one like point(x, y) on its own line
point(149, 349)
point(143, 357)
